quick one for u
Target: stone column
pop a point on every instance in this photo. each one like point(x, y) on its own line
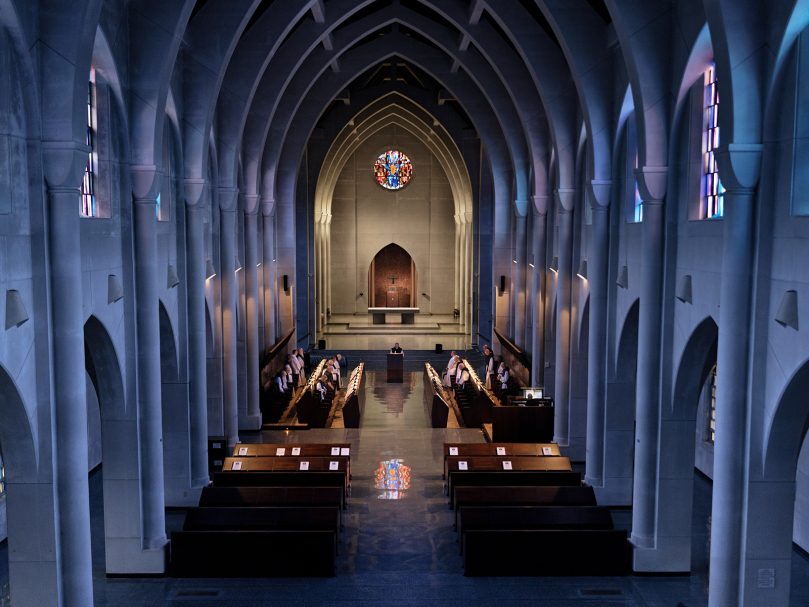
point(739, 167)
point(64, 164)
point(145, 185)
point(563, 302)
point(597, 271)
point(267, 205)
point(197, 354)
point(539, 243)
point(652, 186)
point(519, 295)
point(227, 209)
point(253, 420)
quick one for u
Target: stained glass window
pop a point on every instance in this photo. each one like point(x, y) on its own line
point(712, 405)
point(88, 193)
point(637, 201)
point(393, 170)
point(713, 193)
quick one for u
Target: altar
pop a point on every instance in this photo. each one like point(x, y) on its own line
point(393, 315)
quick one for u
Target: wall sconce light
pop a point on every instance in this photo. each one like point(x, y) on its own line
point(531, 262)
point(210, 271)
point(172, 280)
point(514, 261)
point(582, 271)
point(623, 277)
point(16, 314)
point(684, 291)
point(425, 296)
point(554, 267)
point(787, 315)
point(115, 290)
point(258, 265)
point(238, 264)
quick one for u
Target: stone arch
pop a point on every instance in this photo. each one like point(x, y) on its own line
point(677, 438)
point(119, 451)
point(20, 455)
point(168, 347)
point(619, 419)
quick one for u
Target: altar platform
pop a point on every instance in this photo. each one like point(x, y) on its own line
point(358, 331)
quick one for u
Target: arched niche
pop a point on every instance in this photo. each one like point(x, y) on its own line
point(392, 280)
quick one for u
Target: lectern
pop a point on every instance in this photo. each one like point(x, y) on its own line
point(395, 367)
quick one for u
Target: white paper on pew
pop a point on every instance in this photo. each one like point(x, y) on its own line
point(242, 450)
point(463, 466)
point(334, 465)
point(304, 466)
point(296, 450)
point(547, 451)
point(345, 451)
point(501, 450)
point(453, 450)
point(335, 450)
point(281, 451)
point(236, 466)
point(507, 465)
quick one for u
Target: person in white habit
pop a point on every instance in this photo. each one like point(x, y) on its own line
point(452, 367)
point(502, 375)
point(461, 377)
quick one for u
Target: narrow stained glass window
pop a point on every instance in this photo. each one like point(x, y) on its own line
point(713, 193)
point(712, 406)
point(638, 202)
point(393, 170)
point(88, 195)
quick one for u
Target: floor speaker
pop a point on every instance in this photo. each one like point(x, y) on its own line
point(502, 283)
point(439, 348)
point(321, 344)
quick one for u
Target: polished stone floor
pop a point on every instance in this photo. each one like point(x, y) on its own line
point(398, 546)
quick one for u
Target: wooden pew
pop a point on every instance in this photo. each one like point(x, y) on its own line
point(476, 401)
point(303, 465)
point(436, 398)
point(522, 424)
point(546, 552)
point(253, 553)
point(354, 403)
point(262, 518)
point(236, 497)
point(499, 450)
point(291, 449)
point(531, 478)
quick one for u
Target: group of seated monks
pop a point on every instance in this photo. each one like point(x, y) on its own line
point(278, 388)
point(331, 379)
point(498, 378)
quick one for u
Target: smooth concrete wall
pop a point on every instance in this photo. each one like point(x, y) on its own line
point(366, 218)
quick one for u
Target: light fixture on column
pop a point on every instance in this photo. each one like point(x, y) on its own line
point(623, 277)
point(582, 271)
point(554, 267)
point(531, 263)
point(172, 280)
point(514, 260)
point(684, 291)
point(787, 314)
point(210, 271)
point(115, 290)
point(238, 264)
point(16, 314)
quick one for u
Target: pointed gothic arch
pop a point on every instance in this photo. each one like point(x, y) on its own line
point(392, 279)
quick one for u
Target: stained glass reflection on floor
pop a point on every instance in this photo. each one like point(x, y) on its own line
point(392, 477)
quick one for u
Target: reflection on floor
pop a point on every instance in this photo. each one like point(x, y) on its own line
point(403, 551)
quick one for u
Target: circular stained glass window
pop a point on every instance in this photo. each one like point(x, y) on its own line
point(393, 170)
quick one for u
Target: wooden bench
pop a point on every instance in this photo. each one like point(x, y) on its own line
point(499, 450)
point(235, 497)
point(354, 403)
point(545, 552)
point(253, 553)
point(262, 518)
point(531, 478)
point(296, 478)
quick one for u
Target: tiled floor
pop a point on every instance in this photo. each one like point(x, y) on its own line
point(403, 551)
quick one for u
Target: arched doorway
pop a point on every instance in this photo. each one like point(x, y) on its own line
point(392, 279)
point(619, 422)
point(678, 427)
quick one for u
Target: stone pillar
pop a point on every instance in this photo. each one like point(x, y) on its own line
point(539, 244)
point(145, 184)
point(519, 295)
point(652, 186)
point(739, 167)
point(267, 205)
point(197, 355)
point(597, 271)
point(64, 166)
point(227, 210)
point(253, 420)
point(563, 302)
